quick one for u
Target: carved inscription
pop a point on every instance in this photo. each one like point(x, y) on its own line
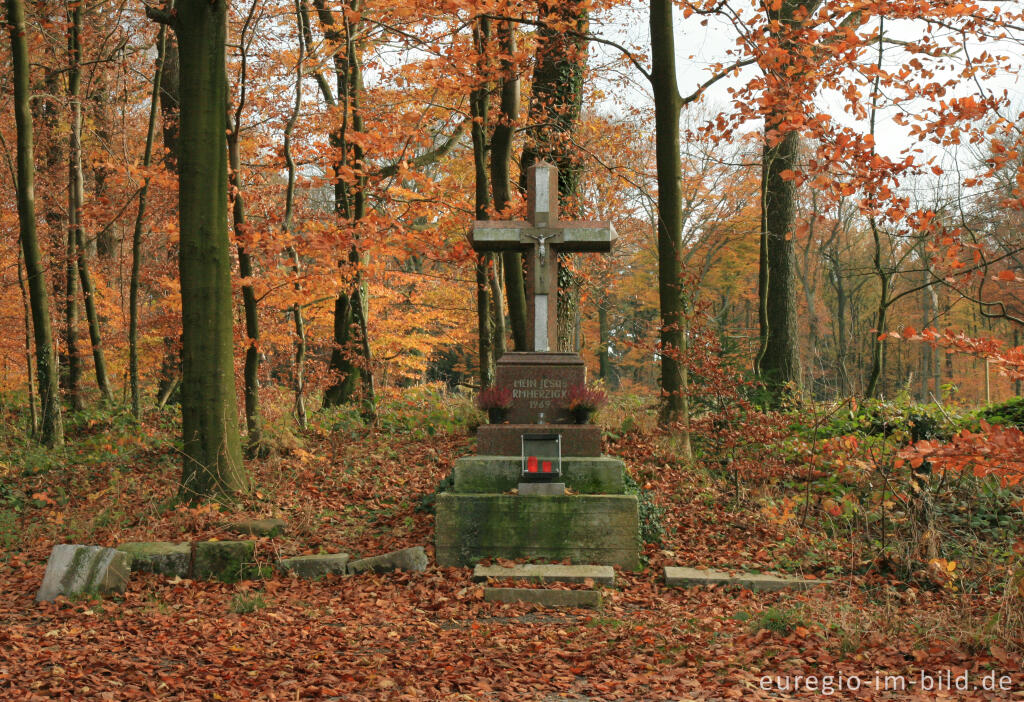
point(539, 393)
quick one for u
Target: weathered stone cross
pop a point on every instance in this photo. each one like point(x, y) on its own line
point(543, 237)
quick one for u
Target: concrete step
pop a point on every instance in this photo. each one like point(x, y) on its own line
point(548, 573)
point(757, 582)
point(546, 598)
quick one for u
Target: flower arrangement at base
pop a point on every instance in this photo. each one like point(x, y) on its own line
point(583, 401)
point(496, 401)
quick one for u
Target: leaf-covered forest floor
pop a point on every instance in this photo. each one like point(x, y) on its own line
point(430, 635)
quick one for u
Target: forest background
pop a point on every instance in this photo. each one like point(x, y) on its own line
point(822, 320)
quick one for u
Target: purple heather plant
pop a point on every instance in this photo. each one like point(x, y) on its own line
point(579, 396)
point(495, 397)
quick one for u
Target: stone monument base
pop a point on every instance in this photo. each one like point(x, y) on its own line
point(506, 439)
point(585, 529)
point(598, 524)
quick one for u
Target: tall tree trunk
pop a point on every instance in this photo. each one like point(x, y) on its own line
point(667, 104)
point(52, 428)
point(212, 451)
point(501, 185)
point(479, 103)
point(133, 287)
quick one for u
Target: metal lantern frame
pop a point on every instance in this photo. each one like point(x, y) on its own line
point(545, 464)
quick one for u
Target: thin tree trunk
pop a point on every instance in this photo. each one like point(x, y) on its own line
point(289, 207)
point(250, 391)
point(75, 201)
point(133, 287)
point(52, 428)
point(33, 412)
point(497, 307)
point(212, 456)
point(479, 104)
point(602, 351)
point(170, 116)
point(77, 197)
point(667, 104)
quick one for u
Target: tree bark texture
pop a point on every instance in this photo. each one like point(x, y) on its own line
point(212, 451)
point(667, 104)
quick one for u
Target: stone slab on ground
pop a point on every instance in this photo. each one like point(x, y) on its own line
point(258, 527)
point(228, 561)
point(410, 559)
point(506, 439)
point(542, 489)
point(162, 557)
point(547, 598)
point(582, 529)
point(316, 566)
point(594, 475)
point(757, 582)
point(74, 569)
point(548, 573)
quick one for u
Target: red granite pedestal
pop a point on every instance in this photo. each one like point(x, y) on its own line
point(506, 439)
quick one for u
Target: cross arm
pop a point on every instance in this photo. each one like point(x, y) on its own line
point(499, 235)
point(586, 237)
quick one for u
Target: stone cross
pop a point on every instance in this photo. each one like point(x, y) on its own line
point(542, 237)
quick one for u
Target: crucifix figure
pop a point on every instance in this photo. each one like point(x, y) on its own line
point(542, 237)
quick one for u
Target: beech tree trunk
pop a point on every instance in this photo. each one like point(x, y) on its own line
point(667, 104)
point(212, 451)
point(777, 362)
point(51, 427)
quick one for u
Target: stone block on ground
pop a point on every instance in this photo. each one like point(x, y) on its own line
point(581, 529)
point(315, 566)
point(595, 475)
point(411, 559)
point(547, 598)
point(542, 489)
point(548, 573)
point(75, 570)
point(258, 527)
point(162, 557)
point(757, 582)
point(228, 561)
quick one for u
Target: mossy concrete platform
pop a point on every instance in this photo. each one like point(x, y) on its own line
point(594, 475)
point(583, 529)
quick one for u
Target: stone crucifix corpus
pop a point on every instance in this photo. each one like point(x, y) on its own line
point(542, 237)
